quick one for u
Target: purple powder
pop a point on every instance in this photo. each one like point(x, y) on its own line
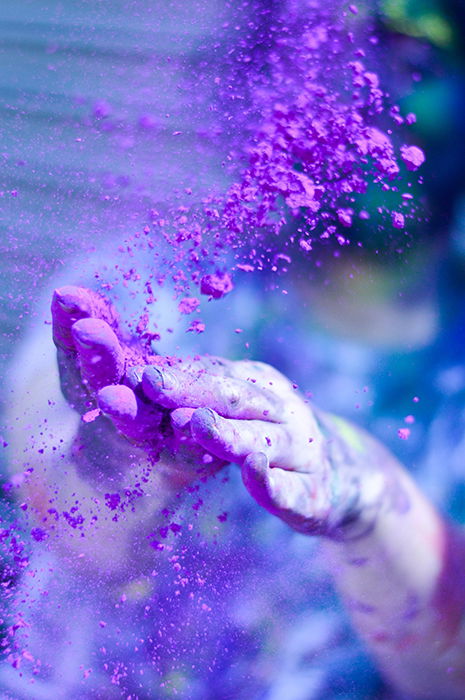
point(188, 305)
point(217, 285)
point(304, 146)
point(412, 156)
point(398, 220)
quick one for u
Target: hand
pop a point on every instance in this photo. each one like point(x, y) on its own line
point(252, 415)
point(101, 371)
point(202, 414)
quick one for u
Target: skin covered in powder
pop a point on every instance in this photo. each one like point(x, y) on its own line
point(165, 404)
point(397, 565)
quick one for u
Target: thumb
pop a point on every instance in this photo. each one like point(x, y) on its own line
point(259, 480)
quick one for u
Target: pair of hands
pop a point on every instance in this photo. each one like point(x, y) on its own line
point(194, 415)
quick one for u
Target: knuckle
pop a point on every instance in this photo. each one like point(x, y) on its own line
point(233, 398)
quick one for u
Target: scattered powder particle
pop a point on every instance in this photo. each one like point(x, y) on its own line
point(38, 534)
point(411, 118)
point(305, 245)
point(345, 217)
point(412, 156)
point(398, 219)
point(403, 433)
point(217, 285)
point(188, 305)
point(197, 326)
point(112, 500)
point(90, 416)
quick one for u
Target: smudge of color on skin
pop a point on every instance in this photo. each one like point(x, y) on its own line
point(91, 415)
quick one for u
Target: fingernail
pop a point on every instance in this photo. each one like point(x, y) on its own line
point(71, 300)
point(63, 306)
point(134, 376)
point(180, 419)
point(168, 379)
point(204, 421)
point(81, 342)
point(158, 379)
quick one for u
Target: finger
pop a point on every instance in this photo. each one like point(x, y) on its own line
point(181, 420)
point(261, 481)
point(231, 398)
point(262, 375)
point(217, 366)
point(130, 416)
point(70, 304)
point(233, 440)
point(100, 354)
point(71, 381)
point(133, 379)
point(295, 498)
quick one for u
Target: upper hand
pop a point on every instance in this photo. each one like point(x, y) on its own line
point(253, 416)
point(202, 414)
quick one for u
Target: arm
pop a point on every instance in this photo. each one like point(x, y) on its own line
point(399, 568)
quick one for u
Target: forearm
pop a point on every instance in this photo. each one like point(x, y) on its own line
point(399, 568)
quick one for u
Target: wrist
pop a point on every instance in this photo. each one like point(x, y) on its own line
point(360, 478)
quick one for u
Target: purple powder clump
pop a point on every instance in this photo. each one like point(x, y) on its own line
point(188, 305)
point(398, 220)
point(112, 500)
point(197, 326)
point(412, 156)
point(310, 138)
point(217, 285)
point(38, 534)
